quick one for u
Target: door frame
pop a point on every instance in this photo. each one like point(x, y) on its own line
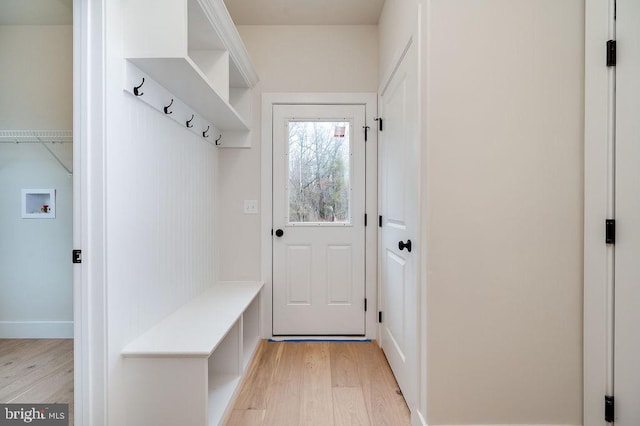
point(89, 281)
point(596, 326)
point(369, 100)
point(418, 363)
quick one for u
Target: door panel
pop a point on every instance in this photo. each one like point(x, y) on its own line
point(399, 208)
point(298, 264)
point(395, 278)
point(339, 273)
point(627, 248)
point(318, 203)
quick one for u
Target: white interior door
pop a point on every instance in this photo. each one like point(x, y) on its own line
point(627, 248)
point(318, 220)
point(399, 157)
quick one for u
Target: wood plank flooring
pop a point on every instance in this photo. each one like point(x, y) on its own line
point(292, 383)
point(37, 371)
point(319, 383)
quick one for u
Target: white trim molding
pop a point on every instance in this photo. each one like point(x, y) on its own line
point(417, 419)
point(595, 208)
point(369, 100)
point(89, 280)
point(221, 20)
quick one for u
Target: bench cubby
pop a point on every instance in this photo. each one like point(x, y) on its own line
point(186, 369)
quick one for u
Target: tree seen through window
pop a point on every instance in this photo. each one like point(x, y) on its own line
point(319, 171)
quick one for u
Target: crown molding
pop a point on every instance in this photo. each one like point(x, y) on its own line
point(218, 15)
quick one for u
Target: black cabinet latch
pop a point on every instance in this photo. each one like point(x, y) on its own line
point(610, 231)
point(611, 53)
point(608, 409)
point(76, 256)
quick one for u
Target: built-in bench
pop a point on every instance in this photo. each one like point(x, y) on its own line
point(186, 369)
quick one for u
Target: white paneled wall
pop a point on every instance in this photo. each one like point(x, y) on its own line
point(161, 208)
point(160, 227)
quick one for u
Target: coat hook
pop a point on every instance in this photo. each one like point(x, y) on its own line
point(166, 109)
point(136, 89)
point(204, 134)
point(218, 140)
point(189, 125)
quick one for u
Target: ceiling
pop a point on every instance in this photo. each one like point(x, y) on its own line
point(243, 12)
point(305, 12)
point(36, 12)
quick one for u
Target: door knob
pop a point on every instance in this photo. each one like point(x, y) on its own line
point(406, 245)
point(279, 232)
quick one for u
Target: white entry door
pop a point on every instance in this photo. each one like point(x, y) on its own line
point(318, 220)
point(627, 247)
point(399, 159)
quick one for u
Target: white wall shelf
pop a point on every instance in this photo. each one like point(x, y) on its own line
point(193, 50)
point(193, 361)
point(184, 79)
point(47, 138)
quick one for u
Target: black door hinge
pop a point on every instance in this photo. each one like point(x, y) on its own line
point(365, 219)
point(380, 221)
point(379, 120)
point(365, 304)
point(608, 409)
point(611, 53)
point(366, 132)
point(76, 256)
point(610, 231)
point(379, 316)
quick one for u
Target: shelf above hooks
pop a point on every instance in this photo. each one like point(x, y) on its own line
point(196, 56)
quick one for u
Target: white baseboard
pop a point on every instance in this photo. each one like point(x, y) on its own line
point(417, 419)
point(36, 329)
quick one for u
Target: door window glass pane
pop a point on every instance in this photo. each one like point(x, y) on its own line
point(319, 171)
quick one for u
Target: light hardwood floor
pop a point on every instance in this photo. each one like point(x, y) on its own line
point(305, 383)
point(37, 371)
point(319, 383)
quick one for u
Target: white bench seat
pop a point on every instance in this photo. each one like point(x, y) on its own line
point(197, 328)
point(186, 369)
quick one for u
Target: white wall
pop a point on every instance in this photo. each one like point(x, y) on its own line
point(502, 103)
point(307, 58)
point(287, 59)
point(36, 288)
point(36, 77)
point(160, 213)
